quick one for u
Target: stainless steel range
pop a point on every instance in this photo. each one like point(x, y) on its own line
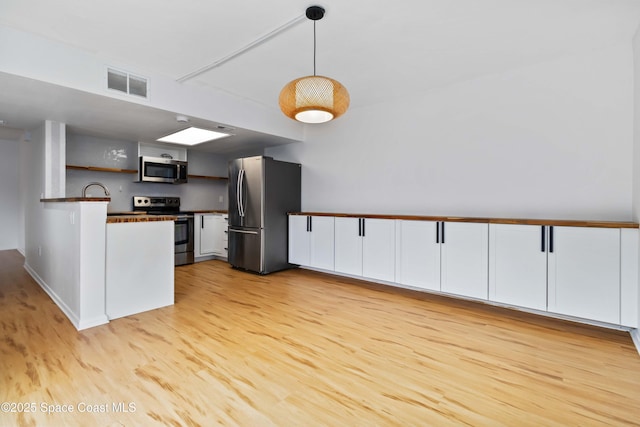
point(153, 205)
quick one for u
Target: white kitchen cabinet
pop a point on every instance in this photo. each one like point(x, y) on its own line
point(348, 246)
point(210, 237)
point(449, 257)
point(365, 247)
point(518, 265)
point(584, 273)
point(418, 254)
point(311, 241)
point(207, 230)
point(299, 246)
point(464, 259)
point(220, 235)
point(574, 271)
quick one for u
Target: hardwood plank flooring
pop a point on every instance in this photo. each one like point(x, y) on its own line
point(302, 348)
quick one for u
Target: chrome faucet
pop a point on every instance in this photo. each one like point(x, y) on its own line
point(104, 187)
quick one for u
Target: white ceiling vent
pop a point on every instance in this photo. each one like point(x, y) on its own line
point(125, 82)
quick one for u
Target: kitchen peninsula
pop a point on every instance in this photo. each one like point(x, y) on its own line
point(98, 267)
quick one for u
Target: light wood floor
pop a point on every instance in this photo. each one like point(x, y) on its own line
point(300, 348)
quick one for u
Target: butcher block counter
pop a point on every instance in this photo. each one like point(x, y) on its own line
point(487, 220)
point(121, 218)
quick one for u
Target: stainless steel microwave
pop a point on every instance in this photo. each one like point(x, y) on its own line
point(159, 169)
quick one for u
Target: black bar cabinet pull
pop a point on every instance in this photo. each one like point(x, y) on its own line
point(363, 227)
point(543, 243)
point(359, 227)
point(442, 233)
point(551, 238)
point(310, 224)
point(202, 222)
point(438, 232)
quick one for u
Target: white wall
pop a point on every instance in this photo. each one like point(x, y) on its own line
point(636, 149)
point(9, 195)
point(552, 140)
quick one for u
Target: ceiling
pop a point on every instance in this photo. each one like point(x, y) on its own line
point(379, 50)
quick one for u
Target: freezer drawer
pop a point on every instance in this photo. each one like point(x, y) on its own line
point(245, 249)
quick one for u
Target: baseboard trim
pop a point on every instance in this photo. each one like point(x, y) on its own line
point(635, 336)
point(78, 323)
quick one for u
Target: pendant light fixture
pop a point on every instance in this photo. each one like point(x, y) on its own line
point(314, 99)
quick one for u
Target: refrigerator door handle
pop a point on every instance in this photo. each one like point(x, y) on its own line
point(233, 230)
point(240, 192)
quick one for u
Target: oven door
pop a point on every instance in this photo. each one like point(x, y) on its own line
point(184, 239)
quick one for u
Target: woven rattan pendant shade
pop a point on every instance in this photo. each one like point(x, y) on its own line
point(314, 99)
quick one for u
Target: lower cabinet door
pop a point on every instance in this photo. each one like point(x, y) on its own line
point(365, 247)
point(299, 239)
point(219, 237)
point(378, 249)
point(584, 273)
point(464, 259)
point(321, 244)
point(207, 230)
point(348, 246)
point(418, 254)
point(518, 265)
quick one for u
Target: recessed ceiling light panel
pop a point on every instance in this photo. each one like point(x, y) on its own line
point(192, 136)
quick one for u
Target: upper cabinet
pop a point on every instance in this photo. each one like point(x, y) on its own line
point(162, 150)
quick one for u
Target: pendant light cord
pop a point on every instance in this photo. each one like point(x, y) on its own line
point(314, 48)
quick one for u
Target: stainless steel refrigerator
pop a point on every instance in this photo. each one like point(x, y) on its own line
point(261, 192)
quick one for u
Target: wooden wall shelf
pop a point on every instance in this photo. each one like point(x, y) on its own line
point(101, 169)
point(216, 178)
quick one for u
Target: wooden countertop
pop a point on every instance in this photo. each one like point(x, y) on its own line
point(209, 211)
point(524, 221)
point(115, 219)
point(77, 199)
